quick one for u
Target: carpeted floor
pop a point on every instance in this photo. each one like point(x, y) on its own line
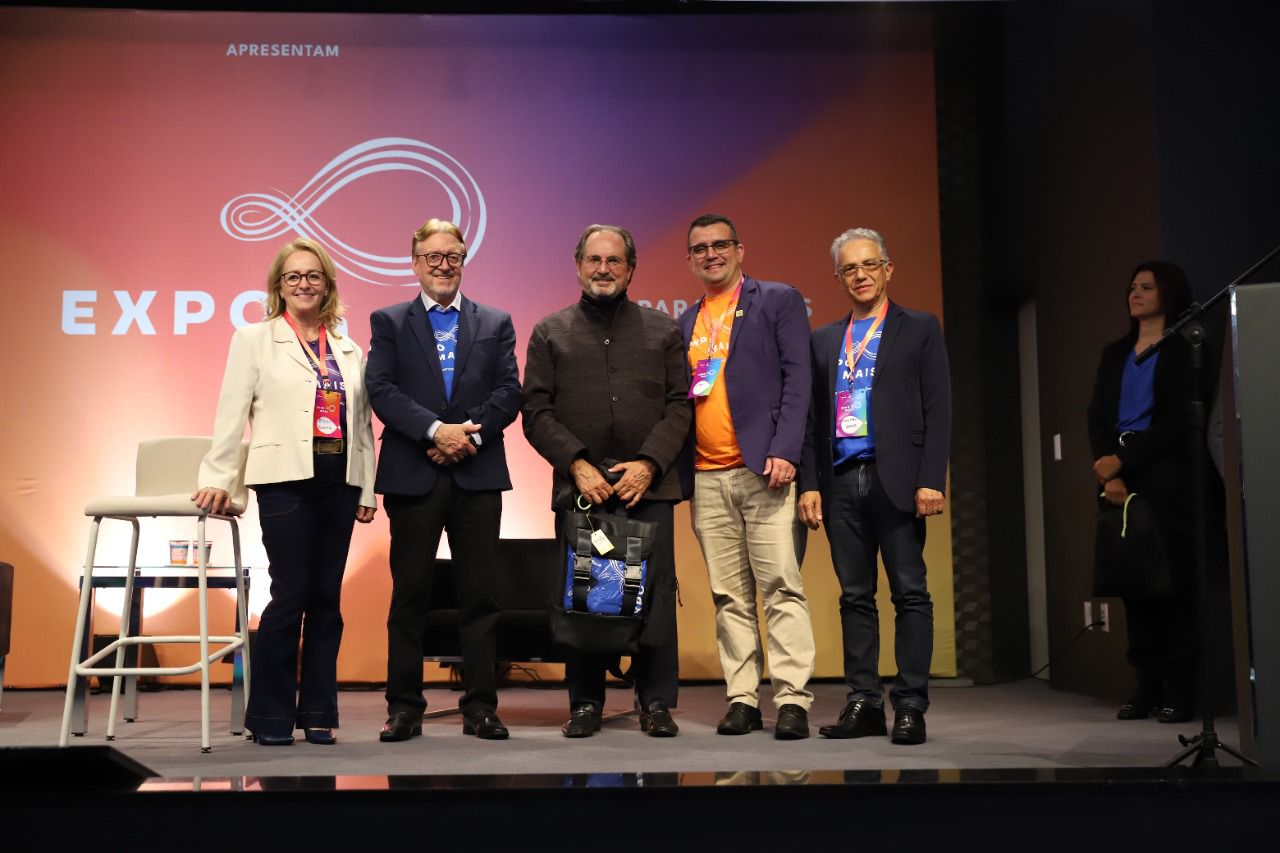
point(1019, 725)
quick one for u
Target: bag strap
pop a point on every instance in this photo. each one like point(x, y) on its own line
point(632, 576)
point(582, 569)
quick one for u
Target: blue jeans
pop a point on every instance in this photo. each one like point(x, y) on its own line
point(306, 529)
point(861, 521)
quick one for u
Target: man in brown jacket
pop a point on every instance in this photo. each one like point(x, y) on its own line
point(605, 379)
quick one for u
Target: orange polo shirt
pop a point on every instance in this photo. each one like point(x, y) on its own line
point(716, 442)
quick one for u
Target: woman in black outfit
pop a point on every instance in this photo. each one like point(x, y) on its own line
point(1139, 432)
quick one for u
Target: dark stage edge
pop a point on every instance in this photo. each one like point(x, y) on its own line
point(1046, 809)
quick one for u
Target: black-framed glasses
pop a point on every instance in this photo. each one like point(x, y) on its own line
point(613, 262)
point(699, 251)
point(293, 279)
point(434, 259)
point(867, 267)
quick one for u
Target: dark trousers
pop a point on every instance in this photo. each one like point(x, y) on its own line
point(306, 529)
point(860, 521)
point(655, 669)
point(1162, 646)
point(472, 519)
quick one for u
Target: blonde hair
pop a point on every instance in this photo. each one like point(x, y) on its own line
point(436, 226)
point(332, 309)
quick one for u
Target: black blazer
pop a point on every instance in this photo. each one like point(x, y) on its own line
point(406, 389)
point(1170, 427)
point(910, 407)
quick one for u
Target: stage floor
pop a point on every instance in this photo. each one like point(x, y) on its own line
point(1024, 725)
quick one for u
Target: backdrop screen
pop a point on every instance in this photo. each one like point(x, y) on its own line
point(153, 163)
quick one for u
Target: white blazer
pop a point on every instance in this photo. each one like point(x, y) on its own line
point(271, 384)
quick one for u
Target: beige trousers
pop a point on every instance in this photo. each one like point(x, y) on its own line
point(747, 534)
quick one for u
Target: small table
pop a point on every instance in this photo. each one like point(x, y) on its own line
point(157, 577)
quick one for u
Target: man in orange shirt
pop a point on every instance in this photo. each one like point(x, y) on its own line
point(748, 350)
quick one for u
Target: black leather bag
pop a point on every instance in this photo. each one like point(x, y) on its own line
point(1129, 557)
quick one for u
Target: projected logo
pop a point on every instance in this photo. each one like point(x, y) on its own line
point(268, 216)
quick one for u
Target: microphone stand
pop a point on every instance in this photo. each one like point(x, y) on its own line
point(1203, 748)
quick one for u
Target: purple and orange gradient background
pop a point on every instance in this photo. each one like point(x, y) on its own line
point(127, 132)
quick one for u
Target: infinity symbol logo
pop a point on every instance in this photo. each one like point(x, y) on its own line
point(254, 217)
point(448, 335)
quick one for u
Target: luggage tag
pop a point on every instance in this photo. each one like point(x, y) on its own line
point(601, 542)
point(705, 373)
point(599, 539)
point(851, 414)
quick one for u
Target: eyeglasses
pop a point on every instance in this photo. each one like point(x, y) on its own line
point(699, 251)
point(867, 267)
point(293, 279)
point(434, 259)
point(613, 262)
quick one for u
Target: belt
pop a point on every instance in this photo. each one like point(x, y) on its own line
point(1126, 434)
point(327, 446)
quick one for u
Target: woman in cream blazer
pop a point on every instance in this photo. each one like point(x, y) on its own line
point(299, 384)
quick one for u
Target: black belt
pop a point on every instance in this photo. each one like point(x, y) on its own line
point(1127, 433)
point(327, 446)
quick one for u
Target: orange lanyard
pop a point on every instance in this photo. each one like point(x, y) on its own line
point(321, 366)
point(714, 327)
point(850, 358)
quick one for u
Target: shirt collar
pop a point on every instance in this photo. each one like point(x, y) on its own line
point(429, 303)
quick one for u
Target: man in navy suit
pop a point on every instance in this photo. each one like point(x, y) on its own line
point(443, 379)
point(748, 353)
point(875, 467)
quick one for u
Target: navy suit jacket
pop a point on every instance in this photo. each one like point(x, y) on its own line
point(910, 407)
point(406, 389)
point(767, 374)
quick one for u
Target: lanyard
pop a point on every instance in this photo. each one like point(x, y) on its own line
point(321, 366)
point(850, 358)
point(713, 327)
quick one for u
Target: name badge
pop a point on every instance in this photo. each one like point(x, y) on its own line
point(851, 414)
point(705, 373)
point(328, 414)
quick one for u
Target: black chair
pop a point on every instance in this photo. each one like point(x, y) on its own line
point(527, 579)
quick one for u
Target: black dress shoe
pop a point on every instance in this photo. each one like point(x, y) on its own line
point(584, 721)
point(1174, 714)
point(858, 719)
point(742, 718)
point(401, 725)
point(272, 740)
point(323, 737)
point(908, 726)
point(484, 725)
point(1147, 702)
point(657, 722)
point(793, 723)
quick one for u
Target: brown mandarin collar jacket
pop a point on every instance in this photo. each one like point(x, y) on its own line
point(608, 387)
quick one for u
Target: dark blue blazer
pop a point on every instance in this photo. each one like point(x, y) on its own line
point(406, 389)
point(767, 371)
point(910, 407)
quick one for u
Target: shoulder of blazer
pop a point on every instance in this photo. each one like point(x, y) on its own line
point(480, 309)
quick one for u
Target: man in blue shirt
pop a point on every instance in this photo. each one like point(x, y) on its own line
point(874, 467)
